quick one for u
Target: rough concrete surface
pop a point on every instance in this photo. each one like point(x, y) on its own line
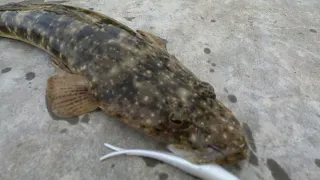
point(262, 57)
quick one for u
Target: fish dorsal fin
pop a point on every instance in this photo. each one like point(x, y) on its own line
point(97, 18)
point(81, 14)
point(88, 16)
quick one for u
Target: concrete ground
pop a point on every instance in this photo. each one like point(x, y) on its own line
point(262, 57)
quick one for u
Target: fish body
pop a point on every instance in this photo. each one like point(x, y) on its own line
point(128, 74)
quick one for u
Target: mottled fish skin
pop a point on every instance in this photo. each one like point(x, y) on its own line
point(132, 79)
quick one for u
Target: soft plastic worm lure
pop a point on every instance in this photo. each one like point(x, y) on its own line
point(204, 171)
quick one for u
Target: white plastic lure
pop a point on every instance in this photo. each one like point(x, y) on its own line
point(205, 171)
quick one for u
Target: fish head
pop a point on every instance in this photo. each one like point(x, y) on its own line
point(205, 130)
point(166, 101)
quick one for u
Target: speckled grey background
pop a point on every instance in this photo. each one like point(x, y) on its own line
point(262, 57)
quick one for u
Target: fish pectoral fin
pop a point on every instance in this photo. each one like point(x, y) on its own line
point(68, 96)
point(153, 39)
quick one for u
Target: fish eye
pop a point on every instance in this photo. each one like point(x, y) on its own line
point(176, 121)
point(175, 118)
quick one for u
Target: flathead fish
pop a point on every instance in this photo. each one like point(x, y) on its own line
point(128, 74)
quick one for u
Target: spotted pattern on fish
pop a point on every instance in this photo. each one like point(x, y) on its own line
point(137, 81)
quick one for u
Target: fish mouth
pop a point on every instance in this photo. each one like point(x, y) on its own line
point(215, 155)
point(217, 149)
point(198, 156)
point(210, 154)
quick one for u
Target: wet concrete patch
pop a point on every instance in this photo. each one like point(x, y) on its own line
point(250, 137)
point(64, 130)
point(278, 173)
point(253, 159)
point(163, 176)
point(317, 162)
point(313, 30)
point(213, 20)
point(151, 162)
point(212, 70)
point(5, 70)
point(207, 50)
point(232, 98)
point(30, 76)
